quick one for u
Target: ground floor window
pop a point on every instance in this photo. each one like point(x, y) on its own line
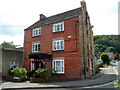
point(13, 64)
point(32, 66)
point(90, 64)
point(58, 66)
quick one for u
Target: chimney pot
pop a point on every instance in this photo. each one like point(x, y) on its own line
point(42, 17)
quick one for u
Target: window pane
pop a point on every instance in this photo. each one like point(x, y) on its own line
point(58, 45)
point(34, 33)
point(62, 66)
point(61, 25)
point(38, 47)
point(54, 66)
point(58, 66)
point(55, 27)
point(16, 64)
point(57, 63)
point(39, 31)
point(62, 45)
point(35, 47)
point(54, 45)
point(58, 27)
point(32, 66)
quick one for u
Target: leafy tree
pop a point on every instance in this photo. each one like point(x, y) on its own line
point(110, 49)
point(105, 58)
point(7, 44)
point(97, 50)
point(107, 43)
point(100, 47)
point(117, 56)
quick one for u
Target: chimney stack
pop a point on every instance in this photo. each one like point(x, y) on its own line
point(83, 5)
point(42, 17)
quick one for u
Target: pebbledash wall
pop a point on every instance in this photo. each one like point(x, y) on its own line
point(10, 57)
point(78, 52)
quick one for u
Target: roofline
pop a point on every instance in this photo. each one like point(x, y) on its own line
point(52, 22)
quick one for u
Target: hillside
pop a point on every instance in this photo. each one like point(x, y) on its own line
point(107, 43)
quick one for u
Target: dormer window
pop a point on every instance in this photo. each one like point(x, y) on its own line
point(58, 27)
point(36, 32)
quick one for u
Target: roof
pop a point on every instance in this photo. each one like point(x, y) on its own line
point(56, 18)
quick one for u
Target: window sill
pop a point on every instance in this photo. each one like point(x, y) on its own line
point(58, 32)
point(35, 52)
point(57, 50)
point(36, 36)
point(58, 73)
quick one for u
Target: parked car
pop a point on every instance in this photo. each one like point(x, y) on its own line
point(100, 63)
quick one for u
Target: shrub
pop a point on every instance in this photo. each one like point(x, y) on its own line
point(105, 58)
point(30, 74)
point(9, 71)
point(19, 72)
point(43, 73)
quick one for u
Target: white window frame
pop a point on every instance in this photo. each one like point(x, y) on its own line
point(32, 66)
point(36, 32)
point(58, 27)
point(90, 65)
point(36, 47)
point(13, 64)
point(54, 66)
point(58, 45)
point(89, 46)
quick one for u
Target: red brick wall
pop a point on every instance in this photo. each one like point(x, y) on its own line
point(72, 46)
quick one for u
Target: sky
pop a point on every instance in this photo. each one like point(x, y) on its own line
point(16, 15)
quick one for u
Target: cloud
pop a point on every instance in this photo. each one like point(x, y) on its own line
point(19, 14)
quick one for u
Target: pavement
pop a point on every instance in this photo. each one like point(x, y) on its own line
point(106, 75)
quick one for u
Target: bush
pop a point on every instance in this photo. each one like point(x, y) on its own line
point(9, 71)
point(43, 73)
point(30, 74)
point(105, 58)
point(19, 72)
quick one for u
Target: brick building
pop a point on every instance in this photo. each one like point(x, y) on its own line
point(63, 42)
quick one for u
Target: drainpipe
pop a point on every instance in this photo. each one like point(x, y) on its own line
point(84, 50)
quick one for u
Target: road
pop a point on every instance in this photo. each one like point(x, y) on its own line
point(117, 67)
point(109, 86)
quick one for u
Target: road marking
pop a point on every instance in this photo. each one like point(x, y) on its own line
point(115, 70)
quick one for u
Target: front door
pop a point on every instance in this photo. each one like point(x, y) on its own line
point(39, 63)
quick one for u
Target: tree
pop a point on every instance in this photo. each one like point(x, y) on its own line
point(107, 43)
point(110, 49)
point(105, 58)
point(117, 56)
point(9, 44)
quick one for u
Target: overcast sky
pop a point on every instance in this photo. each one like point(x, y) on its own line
point(16, 15)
